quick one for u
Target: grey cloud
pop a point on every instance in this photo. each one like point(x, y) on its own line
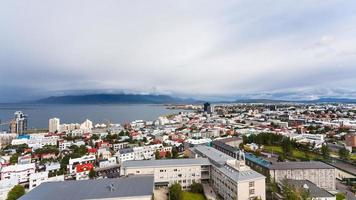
point(187, 48)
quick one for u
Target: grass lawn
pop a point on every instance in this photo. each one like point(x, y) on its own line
point(353, 156)
point(296, 153)
point(192, 196)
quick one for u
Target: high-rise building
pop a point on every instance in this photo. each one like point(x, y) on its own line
point(86, 125)
point(53, 125)
point(19, 123)
point(208, 108)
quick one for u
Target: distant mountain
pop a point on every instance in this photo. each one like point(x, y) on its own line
point(114, 99)
point(164, 99)
point(334, 100)
point(260, 101)
point(321, 100)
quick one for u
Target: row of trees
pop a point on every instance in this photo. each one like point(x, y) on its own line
point(272, 139)
point(170, 155)
point(287, 145)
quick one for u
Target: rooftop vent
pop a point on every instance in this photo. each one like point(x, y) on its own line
point(111, 187)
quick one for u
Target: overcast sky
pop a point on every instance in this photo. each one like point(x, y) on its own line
point(190, 48)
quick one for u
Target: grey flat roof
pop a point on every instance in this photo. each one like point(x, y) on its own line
point(240, 176)
point(314, 190)
point(213, 154)
point(126, 150)
point(300, 165)
point(222, 144)
point(133, 186)
point(220, 159)
point(165, 162)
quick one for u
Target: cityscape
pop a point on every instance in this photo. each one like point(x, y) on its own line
point(213, 151)
point(178, 100)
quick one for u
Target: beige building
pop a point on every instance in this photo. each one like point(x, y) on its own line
point(230, 177)
point(169, 171)
point(319, 173)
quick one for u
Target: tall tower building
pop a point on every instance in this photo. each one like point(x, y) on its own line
point(53, 125)
point(19, 124)
point(208, 108)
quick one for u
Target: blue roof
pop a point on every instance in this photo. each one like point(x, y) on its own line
point(257, 160)
point(23, 136)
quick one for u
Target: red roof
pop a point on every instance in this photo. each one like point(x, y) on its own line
point(84, 167)
point(162, 154)
point(92, 150)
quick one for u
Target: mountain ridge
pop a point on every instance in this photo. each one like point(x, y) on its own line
point(164, 99)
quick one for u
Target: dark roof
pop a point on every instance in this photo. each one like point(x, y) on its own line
point(300, 165)
point(313, 190)
point(132, 186)
point(127, 150)
point(225, 146)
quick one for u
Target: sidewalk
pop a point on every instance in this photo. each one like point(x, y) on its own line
point(209, 192)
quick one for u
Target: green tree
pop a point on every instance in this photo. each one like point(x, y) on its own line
point(340, 196)
point(94, 137)
point(287, 147)
point(272, 189)
point(14, 158)
point(92, 174)
point(325, 152)
point(157, 155)
point(175, 192)
point(281, 158)
point(244, 139)
point(168, 154)
point(174, 152)
point(344, 154)
point(16, 192)
point(196, 187)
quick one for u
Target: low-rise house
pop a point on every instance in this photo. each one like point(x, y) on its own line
point(82, 171)
point(110, 162)
point(82, 160)
point(41, 177)
point(315, 192)
point(21, 172)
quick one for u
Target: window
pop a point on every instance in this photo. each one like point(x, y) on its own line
point(137, 172)
point(251, 184)
point(252, 191)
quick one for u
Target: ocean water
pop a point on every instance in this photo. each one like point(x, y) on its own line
point(38, 114)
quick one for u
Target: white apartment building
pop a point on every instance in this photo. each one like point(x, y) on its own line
point(169, 171)
point(110, 162)
point(36, 141)
point(53, 166)
point(53, 125)
point(63, 144)
point(140, 153)
point(86, 125)
point(121, 145)
point(6, 138)
point(21, 172)
point(41, 177)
